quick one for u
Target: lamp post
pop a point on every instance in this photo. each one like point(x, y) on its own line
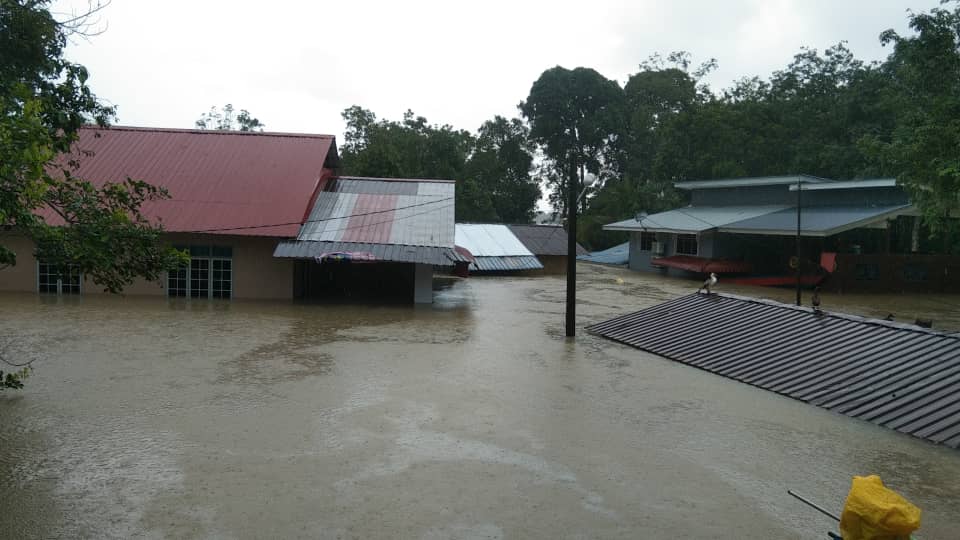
point(799, 201)
point(572, 200)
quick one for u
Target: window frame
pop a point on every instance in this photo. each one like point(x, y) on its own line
point(59, 283)
point(696, 243)
point(648, 238)
point(204, 275)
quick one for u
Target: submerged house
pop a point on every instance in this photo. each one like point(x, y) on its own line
point(495, 249)
point(548, 243)
point(263, 215)
point(854, 235)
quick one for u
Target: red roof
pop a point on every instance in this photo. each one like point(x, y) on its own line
point(220, 182)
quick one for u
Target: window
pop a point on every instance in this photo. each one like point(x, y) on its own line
point(686, 244)
point(916, 272)
point(62, 279)
point(867, 272)
point(646, 240)
point(209, 274)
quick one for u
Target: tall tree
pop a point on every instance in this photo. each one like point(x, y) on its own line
point(501, 165)
point(492, 170)
point(923, 150)
point(44, 100)
point(575, 117)
point(223, 119)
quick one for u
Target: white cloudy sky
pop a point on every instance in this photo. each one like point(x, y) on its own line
point(297, 65)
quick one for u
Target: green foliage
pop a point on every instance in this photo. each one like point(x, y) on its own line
point(13, 380)
point(492, 169)
point(923, 92)
point(44, 100)
point(576, 118)
point(223, 119)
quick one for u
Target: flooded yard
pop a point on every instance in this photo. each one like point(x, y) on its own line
point(470, 418)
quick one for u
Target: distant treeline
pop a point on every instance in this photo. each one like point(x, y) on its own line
point(825, 114)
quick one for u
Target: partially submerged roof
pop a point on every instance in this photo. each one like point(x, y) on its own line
point(751, 182)
point(544, 239)
point(898, 376)
point(489, 240)
point(619, 254)
point(816, 220)
point(220, 182)
point(692, 219)
point(495, 248)
point(352, 213)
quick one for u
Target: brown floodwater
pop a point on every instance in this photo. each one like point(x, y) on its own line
point(470, 418)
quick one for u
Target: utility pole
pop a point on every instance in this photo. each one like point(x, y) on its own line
point(799, 201)
point(572, 250)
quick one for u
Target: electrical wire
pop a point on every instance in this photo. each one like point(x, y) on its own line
point(374, 212)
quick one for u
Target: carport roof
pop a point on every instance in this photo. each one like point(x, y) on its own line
point(693, 219)
point(815, 221)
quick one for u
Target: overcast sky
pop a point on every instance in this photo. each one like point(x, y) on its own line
point(297, 65)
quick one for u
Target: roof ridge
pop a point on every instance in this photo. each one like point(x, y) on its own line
point(838, 315)
point(383, 179)
point(209, 131)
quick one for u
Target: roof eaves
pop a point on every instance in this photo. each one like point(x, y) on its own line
point(751, 182)
point(210, 131)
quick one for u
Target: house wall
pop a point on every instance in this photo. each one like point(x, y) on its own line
point(553, 264)
point(256, 273)
point(643, 260)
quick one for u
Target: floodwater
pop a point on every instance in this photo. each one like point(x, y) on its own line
point(471, 418)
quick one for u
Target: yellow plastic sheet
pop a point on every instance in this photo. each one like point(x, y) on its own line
point(873, 512)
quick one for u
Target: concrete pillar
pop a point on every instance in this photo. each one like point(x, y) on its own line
point(423, 284)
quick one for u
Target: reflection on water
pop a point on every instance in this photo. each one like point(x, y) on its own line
point(178, 418)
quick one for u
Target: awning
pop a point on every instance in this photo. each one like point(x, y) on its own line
point(307, 249)
point(703, 265)
point(505, 264)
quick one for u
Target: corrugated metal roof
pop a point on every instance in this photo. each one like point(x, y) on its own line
point(383, 211)
point(815, 220)
point(490, 240)
point(898, 376)
point(693, 219)
point(505, 264)
point(850, 184)
point(619, 254)
point(437, 256)
point(229, 182)
point(544, 239)
point(751, 182)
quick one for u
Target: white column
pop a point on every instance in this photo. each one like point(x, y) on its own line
point(423, 284)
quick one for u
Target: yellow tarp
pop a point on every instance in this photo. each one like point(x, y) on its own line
point(873, 512)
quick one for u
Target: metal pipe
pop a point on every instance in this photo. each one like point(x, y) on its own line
point(814, 505)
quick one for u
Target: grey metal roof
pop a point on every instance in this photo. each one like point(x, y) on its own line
point(383, 211)
point(437, 256)
point(895, 375)
point(619, 254)
point(815, 220)
point(505, 264)
point(693, 219)
point(489, 240)
point(850, 184)
point(750, 182)
point(544, 239)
